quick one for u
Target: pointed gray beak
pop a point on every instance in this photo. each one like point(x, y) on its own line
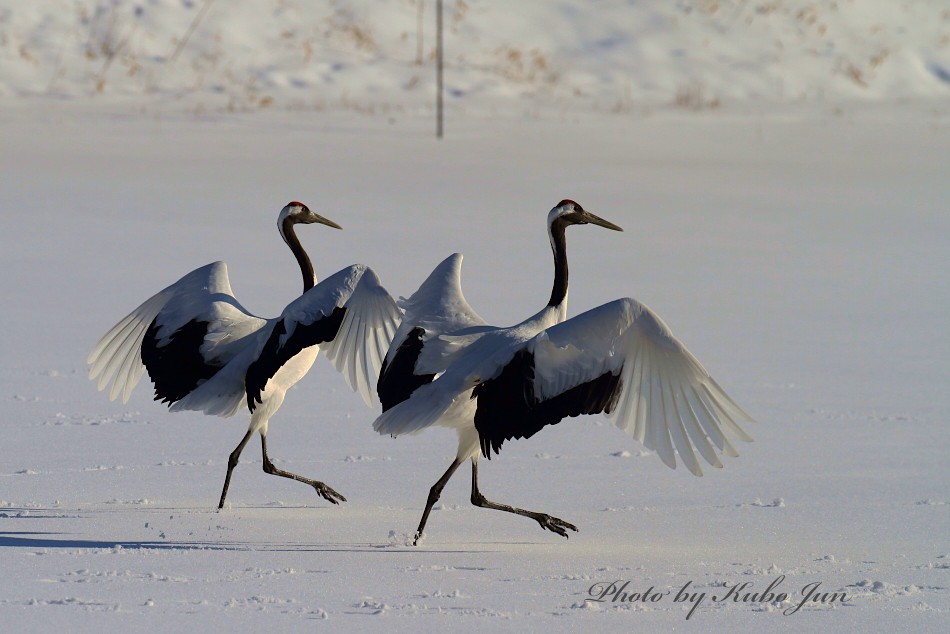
point(317, 218)
point(600, 222)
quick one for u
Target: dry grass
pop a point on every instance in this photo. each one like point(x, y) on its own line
point(107, 39)
point(344, 21)
point(856, 74)
point(693, 97)
point(522, 66)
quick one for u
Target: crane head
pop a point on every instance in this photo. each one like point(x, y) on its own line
point(299, 213)
point(568, 212)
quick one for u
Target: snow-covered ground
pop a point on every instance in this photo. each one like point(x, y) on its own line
point(526, 57)
point(799, 249)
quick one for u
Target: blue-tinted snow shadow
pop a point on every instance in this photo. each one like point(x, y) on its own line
point(26, 539)
point(43, 540)
point(941, 73)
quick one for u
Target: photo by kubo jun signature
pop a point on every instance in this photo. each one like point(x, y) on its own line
point(810, 594)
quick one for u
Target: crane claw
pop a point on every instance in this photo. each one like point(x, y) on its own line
point(328, 494)
point(555, 525)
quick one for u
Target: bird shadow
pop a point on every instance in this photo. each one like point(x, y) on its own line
point(69, 541)
point(48, 540)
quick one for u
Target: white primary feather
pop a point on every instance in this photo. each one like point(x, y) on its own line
point(371, 320)
point(438, 307)
point(439, 301)
point(203, 294)
point(667, 399)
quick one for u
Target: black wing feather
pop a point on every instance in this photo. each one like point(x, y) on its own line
point(274, 355)
point(177, 367)
point(507, 408)
point(397, 380)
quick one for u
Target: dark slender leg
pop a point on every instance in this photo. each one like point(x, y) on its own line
point(546, 521)
point(232, 462)
point(325, 492)
point(434, 494)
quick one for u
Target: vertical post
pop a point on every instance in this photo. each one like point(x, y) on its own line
point(438, 69)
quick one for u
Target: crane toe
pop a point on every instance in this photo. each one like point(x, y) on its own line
point(328, 493)
point(555, 525)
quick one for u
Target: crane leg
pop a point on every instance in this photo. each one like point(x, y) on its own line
point(434, 494)
point(325, 492)
point(546, 521)
point(232, 462)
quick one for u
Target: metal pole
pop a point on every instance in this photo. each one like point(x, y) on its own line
point(438, 69)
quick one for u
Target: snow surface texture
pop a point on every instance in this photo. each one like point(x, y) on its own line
point(803, 258)
point(500, 57)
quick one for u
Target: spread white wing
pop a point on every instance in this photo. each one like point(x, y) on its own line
point(438, 324)
point(183, 334)
point(349, 315)
point(622, 360)
point(438, 307)
point(204, 351)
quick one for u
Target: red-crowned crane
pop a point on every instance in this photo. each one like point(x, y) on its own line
point(204, 351)
point(447, 367)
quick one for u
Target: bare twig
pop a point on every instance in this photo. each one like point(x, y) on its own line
point(191, 29)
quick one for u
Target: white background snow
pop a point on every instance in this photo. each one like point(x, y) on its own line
point(780, 169)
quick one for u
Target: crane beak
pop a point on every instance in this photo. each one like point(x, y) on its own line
point(317, 218)
point(600, 222)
